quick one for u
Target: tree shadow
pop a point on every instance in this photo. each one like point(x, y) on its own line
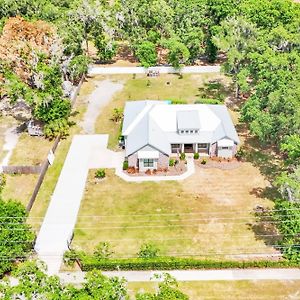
point(214, 89)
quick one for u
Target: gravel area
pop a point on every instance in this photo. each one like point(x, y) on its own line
point(99, 98)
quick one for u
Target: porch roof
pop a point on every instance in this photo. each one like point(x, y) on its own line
point(148, 154)
point(225, 143)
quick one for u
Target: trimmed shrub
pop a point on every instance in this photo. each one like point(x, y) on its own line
point(103, 251)
point(196, 155)
point(207, 101)
point(173, 263)
point(172, 162)
point(100, 173)
point(182, 156)
point(125, 165)
point(148, 251)
point(203, 161)
point(178, 101)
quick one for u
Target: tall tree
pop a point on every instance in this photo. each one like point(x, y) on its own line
point(237, 37)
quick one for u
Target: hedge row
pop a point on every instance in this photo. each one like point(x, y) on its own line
point(173, 263)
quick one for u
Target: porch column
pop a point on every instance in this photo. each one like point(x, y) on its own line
point(182, 148)
point(196, 148)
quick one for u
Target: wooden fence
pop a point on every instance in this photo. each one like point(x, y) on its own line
point(22, 169)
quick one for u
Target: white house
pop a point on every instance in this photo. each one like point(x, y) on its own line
point(153, 131)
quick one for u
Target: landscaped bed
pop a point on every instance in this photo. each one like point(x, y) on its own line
point(177, 169)
point(218, 163)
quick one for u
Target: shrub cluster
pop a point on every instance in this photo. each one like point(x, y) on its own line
point(172, 162)
point(100, 173)
point(196, 155)
point(125, 165)
point(182, 156)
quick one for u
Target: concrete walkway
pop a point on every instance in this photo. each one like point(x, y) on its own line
point(190, 171)
point(11, 138)
point(95, 70)
point(61, 216)
point(193, 275)
point(100, 97)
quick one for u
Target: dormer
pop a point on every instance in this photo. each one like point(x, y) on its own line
point(188, 122)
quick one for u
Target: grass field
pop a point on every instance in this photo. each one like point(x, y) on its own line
point(189, 88)
point(19, 187)
point(207, 215)
point(227, 290)
point(30, 150)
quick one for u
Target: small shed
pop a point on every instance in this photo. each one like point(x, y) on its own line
point(35, 128)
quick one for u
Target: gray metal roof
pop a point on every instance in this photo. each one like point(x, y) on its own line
point(188, 119)
point(132, 109)
point(147, 132)
point(227, 126)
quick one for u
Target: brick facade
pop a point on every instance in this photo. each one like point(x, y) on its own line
point(213, 150)
point(163, 161)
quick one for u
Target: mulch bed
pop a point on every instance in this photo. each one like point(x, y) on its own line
point(178, 169)
point(217, 163)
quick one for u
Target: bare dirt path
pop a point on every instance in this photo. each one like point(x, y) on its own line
point(100, 97)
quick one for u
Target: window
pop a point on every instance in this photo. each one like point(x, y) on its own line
point(175, 148)
point(202, 146)
point(224, 148)
point(148, 163)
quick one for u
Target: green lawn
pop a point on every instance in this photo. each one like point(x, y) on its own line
point(30, 150)
point(181, 218)
point(164, 87)
point(225, 290)
point(19, 187)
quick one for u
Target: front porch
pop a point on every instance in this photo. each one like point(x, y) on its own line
point(202, 148)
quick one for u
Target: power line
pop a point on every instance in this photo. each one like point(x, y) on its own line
point(165, 214)
point(157, 221)
point(154, 226)
point(177, 238)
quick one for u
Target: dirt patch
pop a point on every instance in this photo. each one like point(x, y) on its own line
point(222, 164)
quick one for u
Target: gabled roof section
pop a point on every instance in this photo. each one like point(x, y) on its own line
point(134, 111)
point(147, 132)
point(188, 119)
point(226, 127)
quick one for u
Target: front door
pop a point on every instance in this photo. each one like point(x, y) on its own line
point(188, 148)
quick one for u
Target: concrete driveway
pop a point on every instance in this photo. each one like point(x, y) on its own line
point(86, 151)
